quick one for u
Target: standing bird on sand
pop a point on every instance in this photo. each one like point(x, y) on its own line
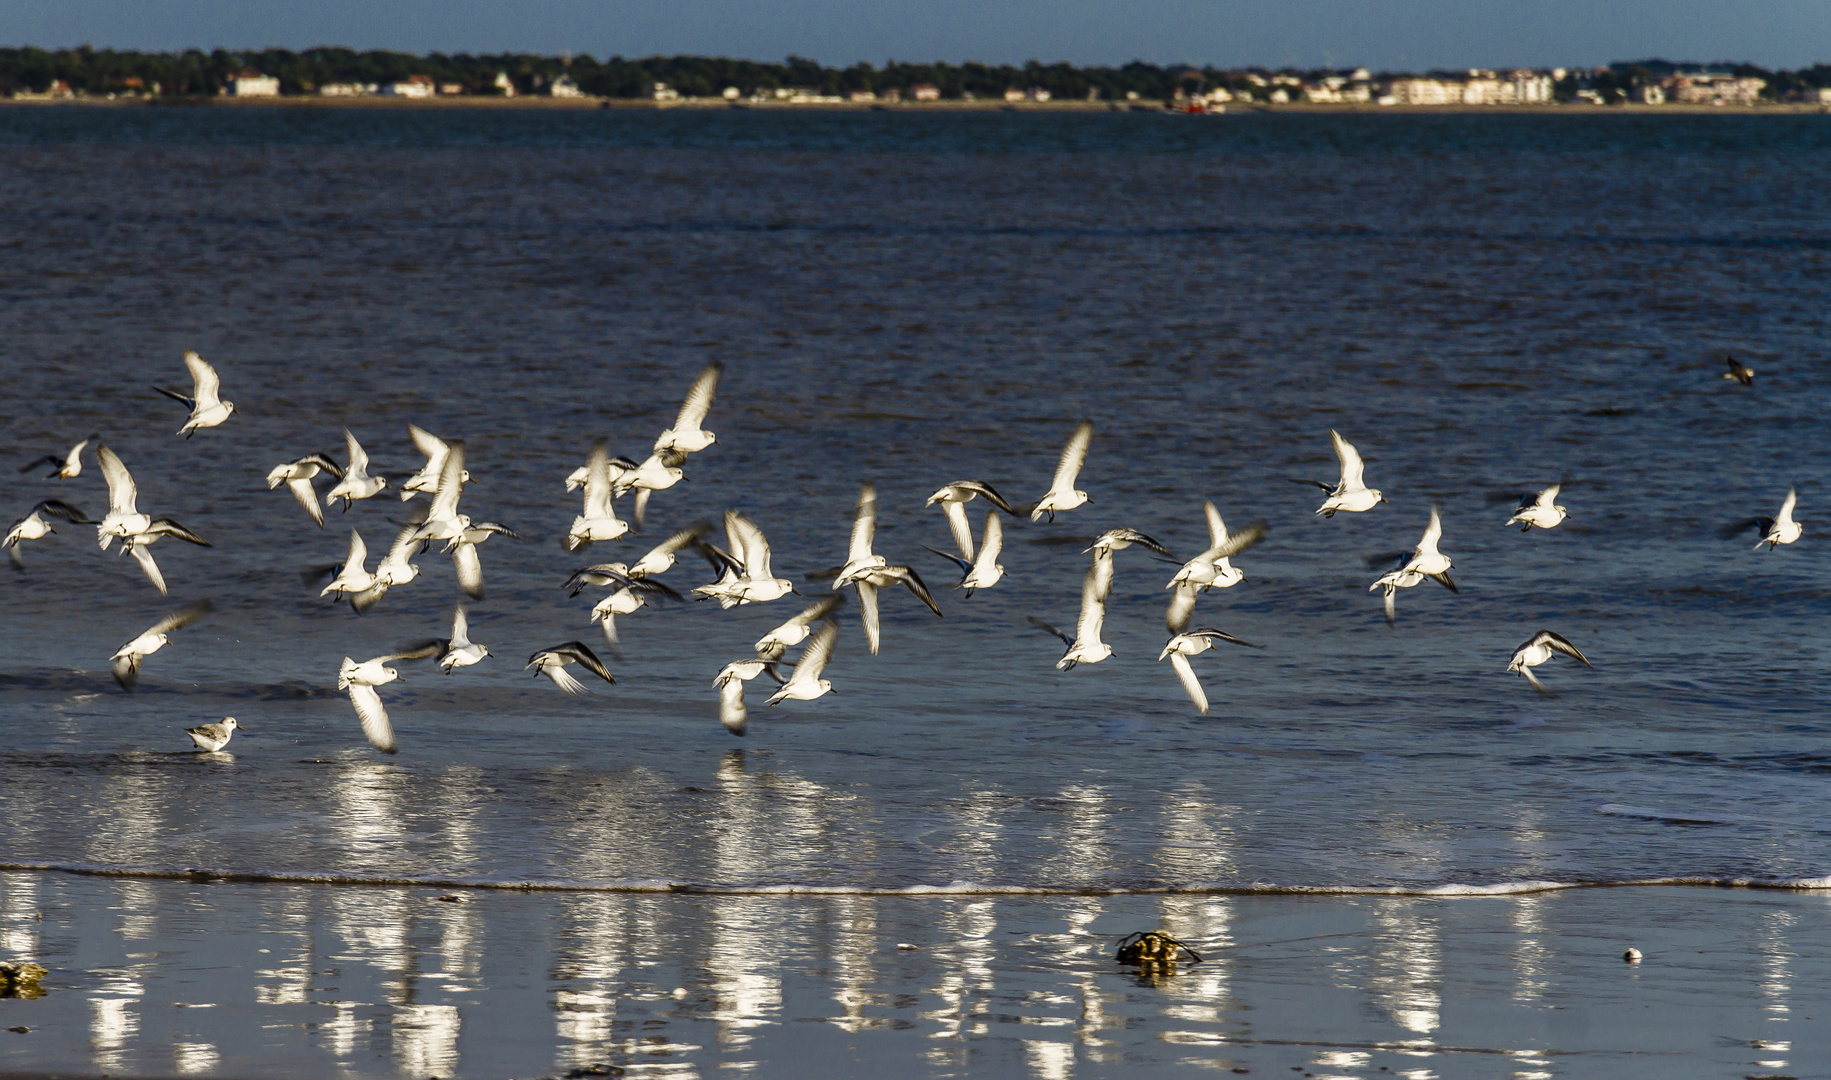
point(552, 663)
point(356, 482)
point(1194, 643)
point(806, 684)
point(1062, 494)
point(1537, 651)
point(598, 521)
point(1739, 371)
point(33, 526)
point(207, 408)
point(1539, 510)
point(360, 680)
point(980, 571)
point(953, 499)
point(1425, 562)
point(66, 467)
point(297, 476)
point(796, 630)
point(687, 436)
point(1350, 493)
point(127, 659)
point(213, 737)
point(1779, 529)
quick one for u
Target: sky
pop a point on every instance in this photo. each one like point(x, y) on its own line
point(1380, 34)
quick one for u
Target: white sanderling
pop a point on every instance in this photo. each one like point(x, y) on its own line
point(1086, 647)
point(122, 518)
point(205, 402)
point(772, 645)
point(660, 558)
point(66, 467)
point(137, 544)
point(748, 578)
point(806, 684)
point(981, 571)
point(1062, 494)
point(1122, 538)
point(352, 577)
point(213, 737)
point(687, 436)
point(552, 663)
point(1425, 562)
point(427, 479)
point(627, 600)
point(869, 572)
point(1194, 643)
point(33, 526)
point(443, 522)
point(953, 499)
point(360, 680)
point(1739, 371)
point(1779, 529)
point(1541, 510)
point(356, 483)
point(127, 659)
point(598, 521)
point(1212, 569)
point(464, 559)
point(1351, 493)
point(460, 650)
point(730, 685)
point(1537, 651)
point(297, 476)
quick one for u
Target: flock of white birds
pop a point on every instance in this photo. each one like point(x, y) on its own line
point(742, 566)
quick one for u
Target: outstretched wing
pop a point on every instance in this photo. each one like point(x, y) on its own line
point(470, 569)
point(914, 583)
point(1351, 465)
point(203, 376)
point(991, 495)
point(819, 650)
point(699, 399)
point(121, 490)
point(867, 614)
point(427, 443)
point(151, 568)
point(582, 655)
point(359, 458)
point(451, 483)
point(1074, 455)
point(460, 629)
point(597, 482)
point(1182, 607)
point(1191, 685)
point(1239, 541)
point(1210, 632)
point(1217, 529)
point(183, 617)
point(1050, 630)
point(374, 717)
point(61, 509)
point(308, 498)
point(168, 527)
point(1563, 645)
point(1093, 606)
point(864, 524)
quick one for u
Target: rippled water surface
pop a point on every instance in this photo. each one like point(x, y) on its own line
point(1483, 304)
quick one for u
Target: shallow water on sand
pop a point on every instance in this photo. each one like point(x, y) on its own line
point(1484, 305)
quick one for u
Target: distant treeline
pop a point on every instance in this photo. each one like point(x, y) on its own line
point(196, 73)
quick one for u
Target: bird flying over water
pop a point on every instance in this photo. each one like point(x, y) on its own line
point(730, 685)
point(953, 499)
point(1211, 569)
point(33, 526)
point(552, 663)
point(796, 630)
point(297, 476)
point(127, 659)
point(1540, 649)
point(1739, 371)
point(138, 543)
point(1194, 643)
point(747, 577)
point(122, 518)
point(1350, 493)
point(356, 483)
point(66, 467)
point(427, 479)
point(1425, 562)
point(981, 571)
point(1539, 510)
point(868, 572)
point(207, 408)
point(360, 681)
point(460, 650)
point(1779, 529)
point(598, 520)
point(687, 436)
point(1085, 647)
point(806, 684)
point(1062, 494)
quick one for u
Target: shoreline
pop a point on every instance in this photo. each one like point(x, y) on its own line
point(302, 101)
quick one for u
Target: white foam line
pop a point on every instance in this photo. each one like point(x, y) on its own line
point(956, 888)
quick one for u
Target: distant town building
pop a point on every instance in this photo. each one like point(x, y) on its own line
point(732, 93)
point(1710, 88)
point(861, 96)
point(1824, 95)
point(254, 84)
point(507, 85)
point(893, 95)
point(415, 86)
point(341, 89)
point(925, 92)
point(1012, 93)
point(563, 86)
point(664, 92)
point(451, 88)
point(1652, 93)
point(1423, 92)
point(1037, 93)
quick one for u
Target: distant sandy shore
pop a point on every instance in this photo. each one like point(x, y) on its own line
point(531, 102)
